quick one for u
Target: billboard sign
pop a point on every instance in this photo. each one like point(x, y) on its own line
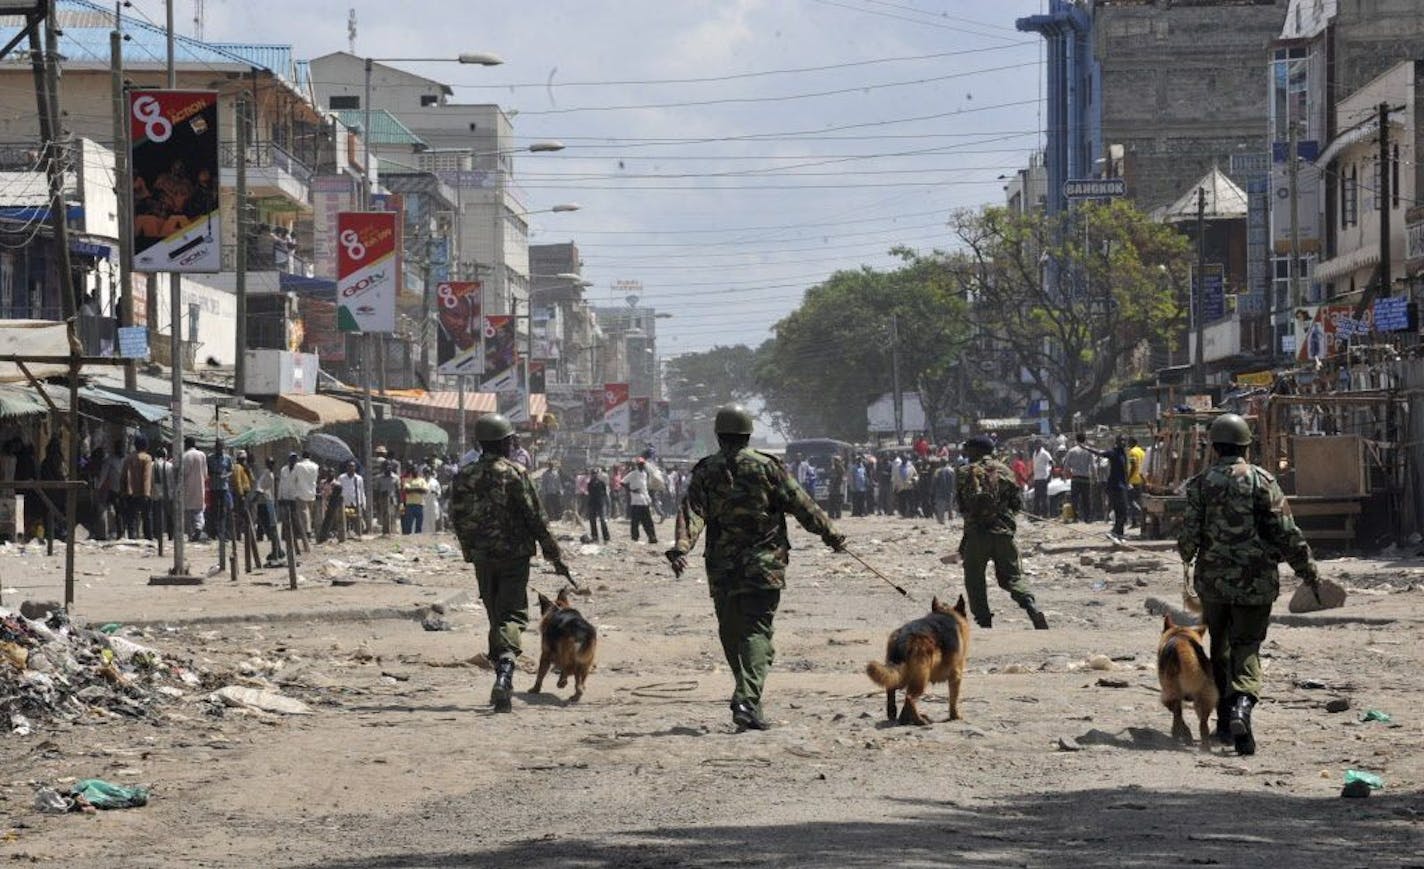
point(1094, 188)
point(640, 417)
point(501, 369)
point(615, 408)
point(366, 271)
point(173, 138)
point(593, 410)
point(459, 343)
point(331, 195)
point(1325, 330)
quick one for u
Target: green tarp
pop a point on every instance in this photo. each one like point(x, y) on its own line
point(394, 432)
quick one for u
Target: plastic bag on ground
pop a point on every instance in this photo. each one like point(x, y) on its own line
point(107, 795)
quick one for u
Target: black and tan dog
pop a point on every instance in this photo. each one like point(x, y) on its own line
point(567, 643)
point(1184, 672)
point(924, 651)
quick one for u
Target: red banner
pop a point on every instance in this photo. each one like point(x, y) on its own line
point(366, 265)
point(501, 354)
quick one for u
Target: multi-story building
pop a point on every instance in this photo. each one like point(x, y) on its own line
point(630, 348)
point(470, 147)
point(285, 136)
point(576, 340)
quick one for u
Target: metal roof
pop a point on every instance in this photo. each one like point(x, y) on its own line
point(1224, 200)
point(386, 128)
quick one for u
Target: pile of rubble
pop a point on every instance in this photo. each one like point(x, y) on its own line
point(53, 670)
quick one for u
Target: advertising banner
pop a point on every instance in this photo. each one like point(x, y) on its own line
point(501, 368)
point(1214, 302)
point(511, 403)
point(459, 344)
point(538, 376)
point(640, 417)
point(366, 271)
point(615, 408)
point(331, 195)
point(173, 138)
point(1325, 330)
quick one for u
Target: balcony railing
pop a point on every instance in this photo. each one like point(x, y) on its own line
point(266, 155)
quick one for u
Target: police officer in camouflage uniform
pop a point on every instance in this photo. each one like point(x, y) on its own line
point(741, 497)
point(1238, 528)
point(989, 496)
point(497, 517)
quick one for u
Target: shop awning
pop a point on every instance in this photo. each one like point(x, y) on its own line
point(254, 427)
point(395, 432)
point(444, 406)
point(317, 409)
point(1347, 263)
point(17, 403)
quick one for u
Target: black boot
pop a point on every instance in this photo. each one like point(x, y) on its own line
point(986, 622)
point(747, 717)
point(1035, 615)
point(1241, 724)
point(1223, 720)
point(503, 685)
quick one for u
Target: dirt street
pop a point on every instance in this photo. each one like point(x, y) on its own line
point(1056, 764)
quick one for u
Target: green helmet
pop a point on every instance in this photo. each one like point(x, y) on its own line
point(733, 419)
point(492, 427)
point(1230, 428)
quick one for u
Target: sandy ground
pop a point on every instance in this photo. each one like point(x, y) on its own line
point(402, 764)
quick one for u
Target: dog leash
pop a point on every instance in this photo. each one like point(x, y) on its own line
point(867, 565)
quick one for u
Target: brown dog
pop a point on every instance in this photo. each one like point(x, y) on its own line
point(924, 651)
point(1184, 671)
point(567, 643)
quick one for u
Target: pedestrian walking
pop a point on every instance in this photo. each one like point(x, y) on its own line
point(1236, 530)
point(835, 487)
point(597, 505)
point(137, 482)
point(289, 486)
point(640, 501)
point(417, 493)
point(942, 491)
point(308, 476)
point(499, 522)
point(385, 496)
point(1136, 481)
point(1042, 474)
point(1078, 462)
point(989, 499)
point(352, 487)
point(264, 507)
point(742, 498)
point(220, 488)
point(1116, 484)
point(164, 483)
point(551, 491)
point(193, 471)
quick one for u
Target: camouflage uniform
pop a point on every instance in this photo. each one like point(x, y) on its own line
point(498, 519)
point(1238, 527)
point(988, 497)
point(742, 499)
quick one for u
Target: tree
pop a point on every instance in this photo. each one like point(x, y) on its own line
point(832, 356)
point(1072, 297)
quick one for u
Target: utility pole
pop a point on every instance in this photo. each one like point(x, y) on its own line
point(897, 401)
point(1385, 201)
point(367, 425)
point(123, 189)
point(175, 346)
point(239, 369)
point(1297, 297)
point(1199, 297)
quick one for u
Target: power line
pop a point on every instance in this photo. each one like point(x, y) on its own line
point(919, 21)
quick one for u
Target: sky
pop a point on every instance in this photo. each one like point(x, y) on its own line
point(725, 198)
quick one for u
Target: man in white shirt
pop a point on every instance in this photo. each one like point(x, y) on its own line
point(353, 495)
point(640, 501)
point(1079, 463)
point(1042, 473)
point(193, 471)
point(307, 473)
point(264, 501)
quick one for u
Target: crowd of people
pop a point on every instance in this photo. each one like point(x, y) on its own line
point(639, 491)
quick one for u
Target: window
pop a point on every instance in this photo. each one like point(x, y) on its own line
point(429, 100)
point(1349, 198)
point(344, 102)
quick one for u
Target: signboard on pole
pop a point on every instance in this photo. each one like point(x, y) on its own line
point(173, 139)
point(331, 195)
point(615, 408)
point(501, 368)
point(511, 403)
point(1214, 287)
point(459, 344)
point(366, 271)
point(1094, 188)
point(640, 414)
point(593, 410)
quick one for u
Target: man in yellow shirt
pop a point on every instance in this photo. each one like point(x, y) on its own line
point(1136, 464)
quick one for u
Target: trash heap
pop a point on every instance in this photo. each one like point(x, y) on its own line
point(53, 670)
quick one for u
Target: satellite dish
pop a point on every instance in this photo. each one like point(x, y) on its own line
point(631, 300)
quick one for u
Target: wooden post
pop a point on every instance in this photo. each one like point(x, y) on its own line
point(232, 539)
point(289, 532)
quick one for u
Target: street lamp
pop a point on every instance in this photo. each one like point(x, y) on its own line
point(475, 58)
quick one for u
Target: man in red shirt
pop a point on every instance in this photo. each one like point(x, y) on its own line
point(922, 447)
point(1021, 470)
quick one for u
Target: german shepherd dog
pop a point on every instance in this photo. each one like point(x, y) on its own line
point(567, 643)
point(1184, 672)
point(917, 654)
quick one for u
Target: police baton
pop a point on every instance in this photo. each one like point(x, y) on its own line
point(867, 565)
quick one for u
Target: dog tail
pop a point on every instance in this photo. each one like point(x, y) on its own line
point(886, 676)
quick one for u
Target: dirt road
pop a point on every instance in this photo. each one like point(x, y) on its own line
point(402, 765)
